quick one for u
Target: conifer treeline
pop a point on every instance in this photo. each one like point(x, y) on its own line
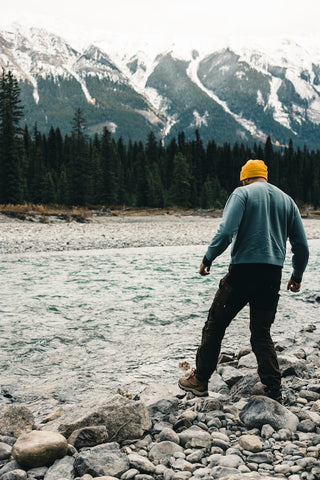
point(78, 170)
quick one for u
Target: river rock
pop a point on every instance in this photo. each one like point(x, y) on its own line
point(252, 443)
point(105, 459)
point(230, 375)
point(243, 388)
point(262, 410)
point(36, 448)
point(248, 361)
point(15, 475)
point(61, 469)
point(195, 437)
point(123, 418)
point(162, 451)
point(141, 463)
point(246, 476)
point(15, 420)
point(88, 437)
point(5, 451)
point(216, 384)
point(168, 434)
point(291, 365)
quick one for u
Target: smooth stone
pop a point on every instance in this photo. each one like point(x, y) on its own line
point(124, 418)
point(243, 352)
point(162, 451)
point(247, 476)
point(195, 437)
point(170, 435)
point(15, 420)
point(141, 463)
point(306, 426)
point(267, 431)
point(282, 468)
point(129, 474)
point(195, 456)
point(252, 443)
point(5, 451)
point(231, 461)
point(209, 404)
point(189, 415)
point(37, 473)
point(105, 459)
point(261, 457)
point(8, 467)
point(142, 476)
point(88, 437)
point(61, 469)
point(309, 395)
point(38, 449)
point(15, 475)
point(181, 476)
point(223, 472)
point(262, 410)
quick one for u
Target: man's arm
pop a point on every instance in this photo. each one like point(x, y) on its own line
point(232, 216)
point(300, 250)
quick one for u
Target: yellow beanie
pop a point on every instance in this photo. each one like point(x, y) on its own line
point(254, 169)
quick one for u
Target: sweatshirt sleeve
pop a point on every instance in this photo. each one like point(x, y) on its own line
point(299, 247)
point(231, 219)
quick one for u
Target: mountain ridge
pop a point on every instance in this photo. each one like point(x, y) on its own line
point(233, 93)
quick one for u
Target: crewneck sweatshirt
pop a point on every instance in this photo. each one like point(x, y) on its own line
point(258, 219)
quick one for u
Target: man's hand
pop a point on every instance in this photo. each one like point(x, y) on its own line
point(293, 286)
point(204, 270)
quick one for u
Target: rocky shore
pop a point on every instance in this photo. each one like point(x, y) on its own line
point(231, 434)
point(104, 232)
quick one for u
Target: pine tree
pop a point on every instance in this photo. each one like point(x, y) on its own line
point(78, 165)
point(11, 111)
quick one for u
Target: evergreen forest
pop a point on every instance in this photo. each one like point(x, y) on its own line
point(78, 170)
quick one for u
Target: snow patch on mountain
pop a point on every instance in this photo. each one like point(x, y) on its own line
point(246, 124)
point(273, 102)
point(200, 120)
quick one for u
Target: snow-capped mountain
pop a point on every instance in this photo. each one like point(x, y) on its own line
point(229, 92)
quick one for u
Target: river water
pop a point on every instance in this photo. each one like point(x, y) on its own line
point(74, 323)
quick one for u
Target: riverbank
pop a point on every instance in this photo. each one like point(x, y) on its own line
point(104, 232)
point(170, 435)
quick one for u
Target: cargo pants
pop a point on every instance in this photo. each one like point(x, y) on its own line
point(258, 285)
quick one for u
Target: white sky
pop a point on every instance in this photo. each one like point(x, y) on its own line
point(167, 19)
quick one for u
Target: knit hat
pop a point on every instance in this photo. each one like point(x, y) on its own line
point(254, 169)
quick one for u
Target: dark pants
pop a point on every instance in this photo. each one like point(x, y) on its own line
point(258, 285)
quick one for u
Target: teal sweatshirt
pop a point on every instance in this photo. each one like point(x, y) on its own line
point(258, 219)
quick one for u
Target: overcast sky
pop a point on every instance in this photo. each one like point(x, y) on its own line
point(167, 18)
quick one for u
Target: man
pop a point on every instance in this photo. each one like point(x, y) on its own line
point(258, 218)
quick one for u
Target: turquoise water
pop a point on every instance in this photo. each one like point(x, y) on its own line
point(73, 323)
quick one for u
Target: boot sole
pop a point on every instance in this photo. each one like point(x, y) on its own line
point(195, 392)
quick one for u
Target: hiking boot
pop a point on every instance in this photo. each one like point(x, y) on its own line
point(274, 394)
point(193, 385)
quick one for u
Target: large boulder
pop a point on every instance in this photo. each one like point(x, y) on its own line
point(36, 448)
point(262, 410)
point(102, 460)
point(15, 420)
point(123, 418)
